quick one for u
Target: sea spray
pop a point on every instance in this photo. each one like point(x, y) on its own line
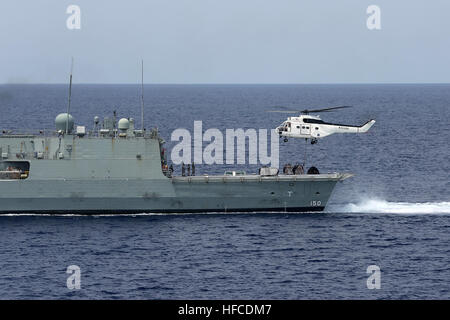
point(383, 206)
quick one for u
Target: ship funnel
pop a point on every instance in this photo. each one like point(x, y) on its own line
point(61, 122)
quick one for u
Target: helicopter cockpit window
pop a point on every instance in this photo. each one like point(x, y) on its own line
point(284, 126)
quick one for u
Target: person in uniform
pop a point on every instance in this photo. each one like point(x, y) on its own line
point(298, 169)
point(288, 169)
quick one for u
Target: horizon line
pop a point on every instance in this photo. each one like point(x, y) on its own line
point(222, 83)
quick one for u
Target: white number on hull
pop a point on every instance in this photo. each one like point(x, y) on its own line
point(315, 203)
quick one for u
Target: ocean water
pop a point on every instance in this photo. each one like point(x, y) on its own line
point(394, 213)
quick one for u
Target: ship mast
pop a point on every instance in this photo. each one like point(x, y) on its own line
point(142, 96)
point(70, 96)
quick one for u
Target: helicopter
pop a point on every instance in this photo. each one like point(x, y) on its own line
point(311, 127)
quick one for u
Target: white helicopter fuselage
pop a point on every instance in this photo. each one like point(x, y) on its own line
point(312, 127)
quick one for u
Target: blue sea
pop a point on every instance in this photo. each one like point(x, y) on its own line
point(394, 213)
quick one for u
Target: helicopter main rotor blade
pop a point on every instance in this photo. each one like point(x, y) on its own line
point(284, 111)
point(325, 109)
point(306, 111)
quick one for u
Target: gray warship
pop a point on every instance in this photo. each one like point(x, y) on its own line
point(115, 169)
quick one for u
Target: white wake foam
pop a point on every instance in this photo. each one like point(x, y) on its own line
point(382, 206)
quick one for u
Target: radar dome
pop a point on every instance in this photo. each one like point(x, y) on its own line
point(61, 122)
point(124, 124)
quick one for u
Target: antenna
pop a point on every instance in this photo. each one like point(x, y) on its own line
point(70, 96)
point(142, 96)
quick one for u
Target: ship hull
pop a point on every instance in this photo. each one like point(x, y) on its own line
point(175, 195)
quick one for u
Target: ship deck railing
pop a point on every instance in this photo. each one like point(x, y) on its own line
point(243, 178)
point(53, 133)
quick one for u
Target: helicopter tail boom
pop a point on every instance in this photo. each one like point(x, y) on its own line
point(342, 128)
point(365, 127)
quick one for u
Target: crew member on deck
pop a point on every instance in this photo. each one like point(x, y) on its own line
point(298, 169)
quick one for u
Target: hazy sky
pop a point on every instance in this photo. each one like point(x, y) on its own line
point(226, 41)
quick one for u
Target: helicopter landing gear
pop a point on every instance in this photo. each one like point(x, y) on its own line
point(285, 140)
point(313, 141)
